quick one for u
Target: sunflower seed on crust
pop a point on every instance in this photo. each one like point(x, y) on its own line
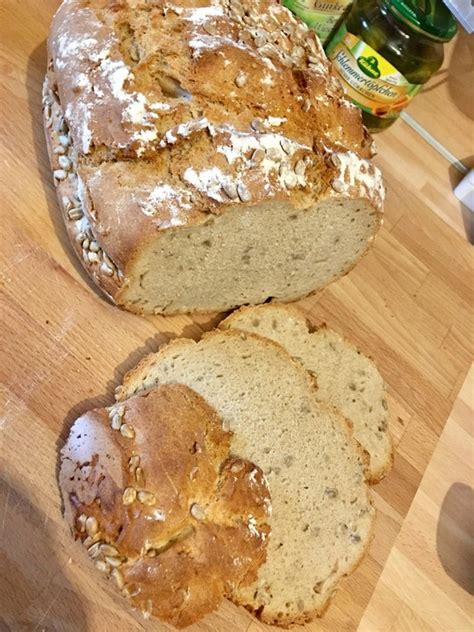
point(300, 168)
point(94, 550)
point(118, 577)
point(146, 498)
point(230, 190)
point(116, 422)
point(127, 431)
point(92, 526)
point(60, 174)
point(109, 550)
point(64, 140)
point(115, 562)
point(140, 477)
point(243, 192)
point(81, 520)
point(133, 462)
point(64, 163)
point(197, 512)
point(129, 496)
point(241, 79)
point(148, 610)
point(258, 155)
point(75, 214)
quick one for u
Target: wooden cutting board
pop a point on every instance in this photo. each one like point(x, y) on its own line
point(64, 349)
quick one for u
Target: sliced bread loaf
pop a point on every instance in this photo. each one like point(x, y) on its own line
point(346, 378)
point(204, 153)
point(322, 514)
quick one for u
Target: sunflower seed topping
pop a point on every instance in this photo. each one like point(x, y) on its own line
point(338, 186)
point(115, 562)
point(118, 577)
point(146, 498)
point(92, 526)
point(140, 477)
point(230, 190)
point(241, 79)
point(300, 168)
point(74, 214)
point(258, 155)
point(257, 125)
point(108, 550)
point(127, 431)
point(60, 174)
point(102, 566)
point(116, 422)
point(243, 192)
point(197, 512)
point(129, 496)
point(64, 140)
point(107, 270)
point(133, 462)
point(148, 610)
point(94, 550)
point(82, 519)
point(67, 204)
point(209, 28)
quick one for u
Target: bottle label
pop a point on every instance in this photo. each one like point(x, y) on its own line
point(320, 15)
point(369, 80)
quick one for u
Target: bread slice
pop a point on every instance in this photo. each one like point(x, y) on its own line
point(322, 514)
point(163, 511)
point(346, 378)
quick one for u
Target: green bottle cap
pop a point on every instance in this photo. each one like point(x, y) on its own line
point(429, 17)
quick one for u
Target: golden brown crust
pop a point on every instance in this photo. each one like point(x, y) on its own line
point(160, 114)
point(150, 490)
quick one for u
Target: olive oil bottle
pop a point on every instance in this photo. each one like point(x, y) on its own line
point(386, 50)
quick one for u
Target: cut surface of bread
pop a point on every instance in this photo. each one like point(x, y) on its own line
point(346, 378)
point(198, 169)
point(322, 514)
point(233, 259)
point(150, 490)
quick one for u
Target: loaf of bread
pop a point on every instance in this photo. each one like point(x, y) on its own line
point(322, 514)
point(151, 491)
point(346, 378)
point(204, 153)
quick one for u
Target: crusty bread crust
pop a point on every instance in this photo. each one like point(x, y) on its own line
point(139, 378)
point(374, 474)
point(155, 98)
point(152, 493)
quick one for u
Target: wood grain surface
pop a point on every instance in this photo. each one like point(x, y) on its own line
point(428, 580)
point(64, 349)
